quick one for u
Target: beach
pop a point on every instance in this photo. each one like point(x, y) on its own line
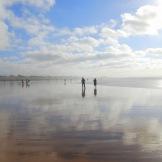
point(53, 121)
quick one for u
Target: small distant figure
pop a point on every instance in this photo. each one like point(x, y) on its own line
point(95, 92)
point(83, 83)
point(95, 82)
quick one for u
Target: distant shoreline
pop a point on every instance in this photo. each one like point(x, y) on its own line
point(37, 78)
point(19, 78)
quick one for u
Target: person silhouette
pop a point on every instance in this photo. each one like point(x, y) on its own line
point(83, 83)
point(95, 82)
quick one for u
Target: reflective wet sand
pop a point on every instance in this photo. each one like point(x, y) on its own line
point(53, 122)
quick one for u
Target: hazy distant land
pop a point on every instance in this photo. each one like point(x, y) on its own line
point(140, 82)
point(23, 77)
point(37, 77)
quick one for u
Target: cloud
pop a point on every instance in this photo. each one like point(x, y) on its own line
point(146, 21)
point(153, 52)
point(108, 32)
point(85, 30)
point(45, 4)
point(30, 23)
point(4, 36)
point(47, 47)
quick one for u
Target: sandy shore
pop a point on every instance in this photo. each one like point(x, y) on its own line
point(50, 121)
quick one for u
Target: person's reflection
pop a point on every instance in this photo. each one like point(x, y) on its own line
point(27, 83)
point(64, 81)
point(22, 82)
point(95, 92)
point(83, 92)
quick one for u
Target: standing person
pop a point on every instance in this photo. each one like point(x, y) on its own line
point(83, 83)
point(95, 82)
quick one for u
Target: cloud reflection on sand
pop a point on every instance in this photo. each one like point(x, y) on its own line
point(57, 120)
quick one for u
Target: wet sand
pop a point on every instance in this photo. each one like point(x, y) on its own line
point(50, 121)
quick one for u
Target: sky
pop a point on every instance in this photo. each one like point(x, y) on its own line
point(114, 38)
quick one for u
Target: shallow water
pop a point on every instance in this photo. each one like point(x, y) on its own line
point(53, 122)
